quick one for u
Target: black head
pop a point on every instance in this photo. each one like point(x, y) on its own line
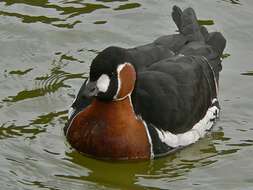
point(104, 81)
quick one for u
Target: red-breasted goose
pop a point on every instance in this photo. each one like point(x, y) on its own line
point(151, 100)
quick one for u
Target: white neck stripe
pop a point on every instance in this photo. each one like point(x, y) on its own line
point(119, 69)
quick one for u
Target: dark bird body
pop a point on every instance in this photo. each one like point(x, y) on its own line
point(174, 95)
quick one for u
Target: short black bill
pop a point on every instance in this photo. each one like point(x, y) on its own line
point(90, 90)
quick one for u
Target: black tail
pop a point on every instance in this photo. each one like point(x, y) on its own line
point(187, 24)
point(212, 44)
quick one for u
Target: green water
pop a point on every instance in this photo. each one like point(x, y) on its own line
point(46, 48)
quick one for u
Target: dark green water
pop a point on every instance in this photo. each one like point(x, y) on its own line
point(45, 50)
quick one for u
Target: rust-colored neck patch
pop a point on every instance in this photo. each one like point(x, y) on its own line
point(127, 78)
point(109, 130)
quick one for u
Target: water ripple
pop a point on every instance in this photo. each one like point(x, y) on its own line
point(35, 126)
point(248, 73)
point(65, 10)
point(47, 84)
point(19, 72)
point(127, 6)
point(68, 11)
point(31, 19)
point(35, 91)
point(235, 2)
point(12, 131)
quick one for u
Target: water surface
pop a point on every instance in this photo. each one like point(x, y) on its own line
point(46, 49)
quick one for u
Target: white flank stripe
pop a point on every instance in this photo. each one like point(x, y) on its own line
point(198, 131)
point(146, 128)
point(214, 78)
point(149, 138)
point(214, 100)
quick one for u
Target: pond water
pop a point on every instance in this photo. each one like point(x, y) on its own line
point(46, 48)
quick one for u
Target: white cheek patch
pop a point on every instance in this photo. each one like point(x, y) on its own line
point(103, 83)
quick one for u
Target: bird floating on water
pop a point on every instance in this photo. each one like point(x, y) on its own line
point(148, 101)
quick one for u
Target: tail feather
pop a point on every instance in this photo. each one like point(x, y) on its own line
point(204, 32)
point(199, 40)
point(187, 23)
point(177, 17)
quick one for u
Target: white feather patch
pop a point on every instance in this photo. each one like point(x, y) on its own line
point(119, 68)
point(145, 126)
point(71, 109)
point(71, 112)
point(149, 138)
point(198, 131)
point(214, 78)
point(88, 80)
point(103, 83)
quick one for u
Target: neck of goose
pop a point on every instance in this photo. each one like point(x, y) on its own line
point(110, 130)
point(115, 108)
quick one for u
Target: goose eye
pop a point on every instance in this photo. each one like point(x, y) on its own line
point(112, 74)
